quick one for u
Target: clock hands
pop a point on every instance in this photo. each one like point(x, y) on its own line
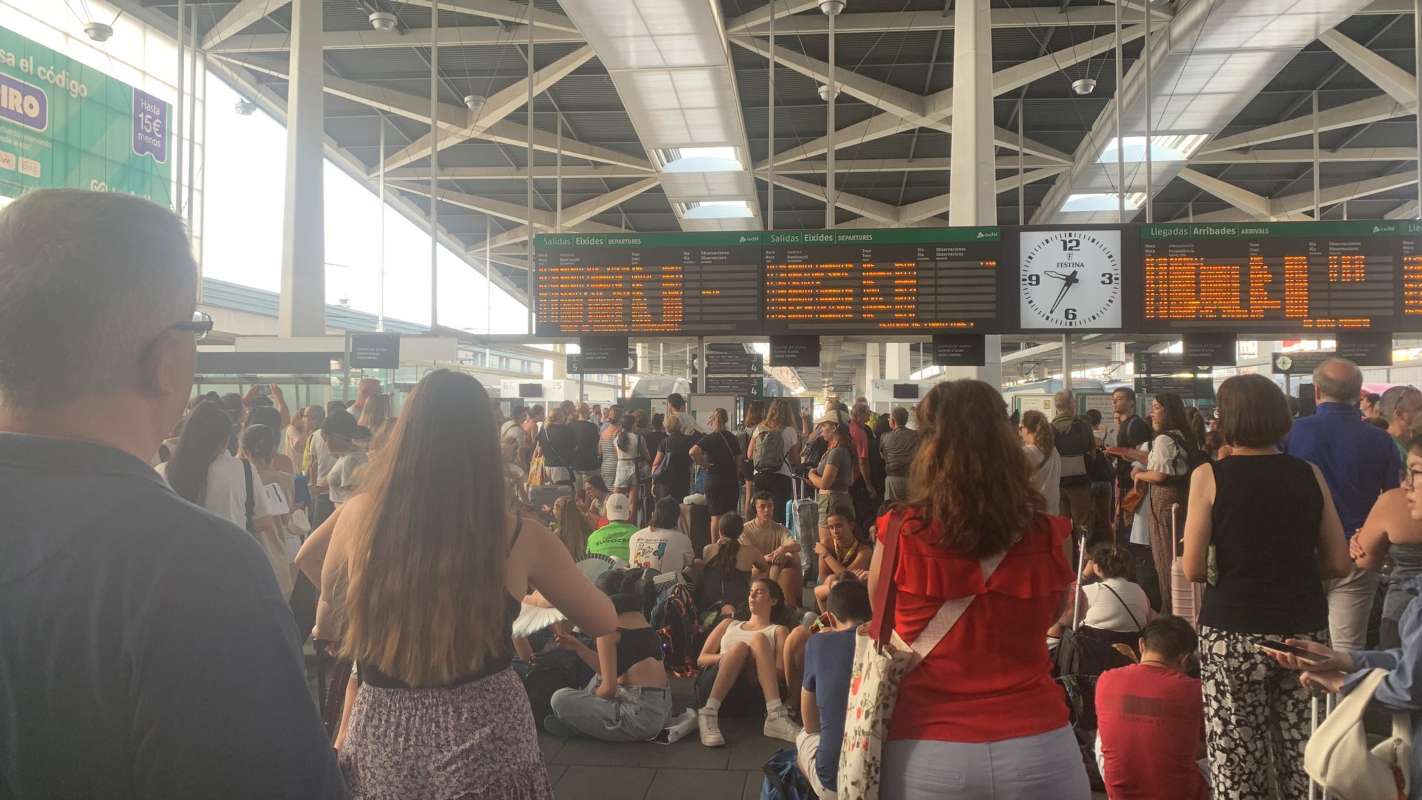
point(1068, 281)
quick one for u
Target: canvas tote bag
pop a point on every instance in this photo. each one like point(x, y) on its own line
point(881, 660)
point(1338, 757)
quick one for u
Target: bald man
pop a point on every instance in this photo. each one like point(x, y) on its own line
point(1359, 462)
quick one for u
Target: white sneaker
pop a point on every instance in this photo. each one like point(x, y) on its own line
point(709, 723)
point(780, 726)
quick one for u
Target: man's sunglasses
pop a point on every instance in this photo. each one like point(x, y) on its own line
point(199, 327)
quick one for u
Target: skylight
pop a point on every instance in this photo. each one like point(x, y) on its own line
point(699, 159)
point(717, 209)
point(1175, 147)
point(1101, 201)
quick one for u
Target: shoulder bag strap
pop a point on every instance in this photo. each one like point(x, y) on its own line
point(1108, 588)
point(251, 498)
point(950, 612)
point(881, 628)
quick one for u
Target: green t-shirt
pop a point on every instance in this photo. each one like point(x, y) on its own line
point(611, 539)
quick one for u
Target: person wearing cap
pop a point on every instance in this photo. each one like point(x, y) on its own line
point(834, 474)
point(337, 433)
point(613, 539)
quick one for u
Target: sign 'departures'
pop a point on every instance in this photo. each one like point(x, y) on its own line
point(65, 124)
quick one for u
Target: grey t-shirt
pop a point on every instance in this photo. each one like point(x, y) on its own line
point(844, 468)
point(899, 446)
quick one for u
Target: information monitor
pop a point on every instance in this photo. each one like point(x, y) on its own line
point(695, 284)
point(883, 281)
point(1280, 277)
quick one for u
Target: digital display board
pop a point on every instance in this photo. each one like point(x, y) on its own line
point(1280, 277)
point(861, 281)
point(669, 283)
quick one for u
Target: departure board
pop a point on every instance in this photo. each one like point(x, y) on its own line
point(860, 281)
point(1280, 277)
point(674, 284)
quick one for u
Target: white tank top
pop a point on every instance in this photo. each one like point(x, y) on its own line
point(737, 633)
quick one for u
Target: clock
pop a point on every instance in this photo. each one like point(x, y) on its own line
point(1070, 279)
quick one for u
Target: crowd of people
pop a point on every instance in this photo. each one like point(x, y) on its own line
point(165, 557)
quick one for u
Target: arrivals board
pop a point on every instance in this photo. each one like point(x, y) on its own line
point(668, 283)
point(1281, 277)
point(890, 281)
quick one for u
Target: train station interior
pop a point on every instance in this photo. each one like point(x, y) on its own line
point(725, 219)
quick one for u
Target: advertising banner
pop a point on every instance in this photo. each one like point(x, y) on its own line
point(63, 124)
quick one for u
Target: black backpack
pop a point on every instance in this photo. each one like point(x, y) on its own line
point(558, 669)
point(1194, 457)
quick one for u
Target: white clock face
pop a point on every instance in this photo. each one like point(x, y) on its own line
point(1070, 279)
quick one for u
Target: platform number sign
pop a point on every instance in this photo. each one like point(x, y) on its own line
point(1070, 279)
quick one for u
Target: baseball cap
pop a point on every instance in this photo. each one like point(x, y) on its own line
point(618, 507)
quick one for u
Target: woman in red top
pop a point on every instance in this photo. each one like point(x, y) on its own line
point(980, 717)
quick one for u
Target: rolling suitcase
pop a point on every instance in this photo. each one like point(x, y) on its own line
point(802, 515)
point(1186, 597)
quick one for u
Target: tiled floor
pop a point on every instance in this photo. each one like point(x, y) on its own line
point(584, 769)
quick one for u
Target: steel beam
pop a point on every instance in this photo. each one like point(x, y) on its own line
point(497, 107)
point(503, 11)
point(1301, 155)
point(1398, 83)
point(465, 36)
point(1361, 112)
point(242, 16)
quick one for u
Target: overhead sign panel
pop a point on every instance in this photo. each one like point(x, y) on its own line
point(604, 354)
point(1366, 348)
point(794, 351)
point(375, 350)
point(959, 350)
point(890, 281)
point(673, 284)
point(1280, 277)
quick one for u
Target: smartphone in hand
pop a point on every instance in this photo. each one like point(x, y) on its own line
point(1277, 646)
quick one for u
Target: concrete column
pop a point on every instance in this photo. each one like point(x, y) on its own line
point(871, 361)
point(301, 310)
point(973, 179)
point(644, 358)
point(560, 362)
point(861, 382)
point(897, 361)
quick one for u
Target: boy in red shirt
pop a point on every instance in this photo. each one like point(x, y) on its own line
point(1151, 716)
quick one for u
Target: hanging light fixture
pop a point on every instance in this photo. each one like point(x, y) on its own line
point(1083, 86)
point(98, 31)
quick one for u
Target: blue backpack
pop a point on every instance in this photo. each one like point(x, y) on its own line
point(783, 780)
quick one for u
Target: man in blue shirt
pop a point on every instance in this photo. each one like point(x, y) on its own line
point(829, 659)
point(145, 651)
point(1359, 462)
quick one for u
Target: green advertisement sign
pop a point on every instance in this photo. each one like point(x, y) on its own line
point(63, 124)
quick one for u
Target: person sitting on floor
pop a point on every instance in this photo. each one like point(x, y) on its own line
point(1151, 717)
point(778, 545)
point(843, 553)
point(729, 562)
point(829, 660)
point(1114, 607)
point(661, 546)
point(629, 699)
point(612, 539)
point(738, 655)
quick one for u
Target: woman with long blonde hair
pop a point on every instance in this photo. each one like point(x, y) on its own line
point(980, 716)
point(437, 567)
point(377, 418)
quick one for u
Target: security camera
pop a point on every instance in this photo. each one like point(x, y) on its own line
point(1083, 86)
point(383, 21)
point(474, 102)
point(98, 31)
point(827, 94)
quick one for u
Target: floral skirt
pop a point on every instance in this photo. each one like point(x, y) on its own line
point(467, 742)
